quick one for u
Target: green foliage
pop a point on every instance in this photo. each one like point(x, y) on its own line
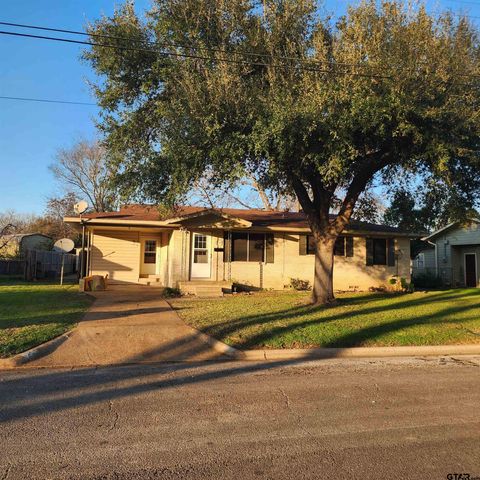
point(169, 292)
point(407, 287)
point(309, 108)
point(427, 280)
point(300, 284)
point(388, 88)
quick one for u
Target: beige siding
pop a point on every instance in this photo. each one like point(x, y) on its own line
point(117, 254)
point(350, 273)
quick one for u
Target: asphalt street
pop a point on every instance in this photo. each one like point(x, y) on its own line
point(355, 419)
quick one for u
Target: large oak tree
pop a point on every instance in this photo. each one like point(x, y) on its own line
point(316, 109)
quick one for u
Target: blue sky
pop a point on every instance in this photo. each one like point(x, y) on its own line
point(31, 133)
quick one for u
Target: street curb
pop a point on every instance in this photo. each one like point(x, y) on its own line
point(357, 352)
point(35, 352)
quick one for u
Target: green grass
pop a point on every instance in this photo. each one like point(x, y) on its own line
point(285, 320)
point(32, 313)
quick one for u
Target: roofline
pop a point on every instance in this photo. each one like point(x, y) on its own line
point(156, 223)
point(438, 232)
point(206, 211)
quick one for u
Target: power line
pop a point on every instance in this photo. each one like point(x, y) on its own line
point(178, 45)
point(187, 47)
point(189, 55)
point(45, 100)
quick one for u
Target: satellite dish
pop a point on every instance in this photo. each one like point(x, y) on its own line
point(64, 245)
point(80, 207)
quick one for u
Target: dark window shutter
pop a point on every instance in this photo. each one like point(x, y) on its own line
point(369, 251)
point(349, 246)
point(269, 248)
point(302, 245)
point(391, 252)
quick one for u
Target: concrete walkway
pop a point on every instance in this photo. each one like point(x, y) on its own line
point(129, 324)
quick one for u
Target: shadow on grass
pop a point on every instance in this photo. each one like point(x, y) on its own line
point(28, 394)
point(270, 326)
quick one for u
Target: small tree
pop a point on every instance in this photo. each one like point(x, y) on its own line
point(82, 170)
point(312, 109)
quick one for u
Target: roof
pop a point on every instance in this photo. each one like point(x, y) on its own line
point(254, 218)
point(447, 227)
point(20, 236)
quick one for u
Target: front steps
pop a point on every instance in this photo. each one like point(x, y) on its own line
point(150, 280)
point(204, 288)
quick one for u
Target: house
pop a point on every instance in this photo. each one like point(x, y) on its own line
point(17, 244)
point(257, 248)
point(453, 256)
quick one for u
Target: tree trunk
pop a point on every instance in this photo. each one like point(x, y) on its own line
point(323, 281)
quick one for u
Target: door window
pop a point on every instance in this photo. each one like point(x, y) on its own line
point(150, 251)
point(200, 251)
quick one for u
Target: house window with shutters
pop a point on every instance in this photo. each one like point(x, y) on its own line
point(381, 251)
point(249, 247)
point(343, 246)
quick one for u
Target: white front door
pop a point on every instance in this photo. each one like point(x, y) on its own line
point(148, 264)
point(200, 256)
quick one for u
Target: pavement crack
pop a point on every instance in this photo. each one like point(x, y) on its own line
point(116, 416)
point(465, 362)
point(287, 399)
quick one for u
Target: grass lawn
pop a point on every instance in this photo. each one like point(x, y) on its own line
point(32, 313)
point(284, 320)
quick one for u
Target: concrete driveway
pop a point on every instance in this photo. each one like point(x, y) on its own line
point(129, 324)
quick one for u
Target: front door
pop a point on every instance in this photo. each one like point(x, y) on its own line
point(200, 256)
point(148, 265)
point(470, 270)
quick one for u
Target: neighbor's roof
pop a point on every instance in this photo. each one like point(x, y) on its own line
point(254, 218)
point(18, 237)
point(446, 228)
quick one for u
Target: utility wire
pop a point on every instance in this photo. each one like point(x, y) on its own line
point(177, 45)
point(44, 100)
point(189, 55)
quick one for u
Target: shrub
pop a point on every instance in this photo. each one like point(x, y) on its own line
point(171, 292)
point(299, 284)
point(407, 286)
point(427, 280)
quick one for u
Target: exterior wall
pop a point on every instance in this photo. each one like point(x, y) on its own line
point(429, 262)
point(116, 253)
point(178, 257)
point(350, 273)
point(458, 257)
point(451, 245)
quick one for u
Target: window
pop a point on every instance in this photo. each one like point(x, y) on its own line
point(379, 251)
point(256, 247)
point(420, 260)
point(200, 250)
point(150, 251)
point(250, 247)
point(239, 247)
point(343, 246)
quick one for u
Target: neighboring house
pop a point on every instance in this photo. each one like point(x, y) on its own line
point(454, 255)
point(18, 244)
point(257, 248)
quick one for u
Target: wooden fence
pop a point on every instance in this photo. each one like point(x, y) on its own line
point(12, 267)
point(38, 264)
